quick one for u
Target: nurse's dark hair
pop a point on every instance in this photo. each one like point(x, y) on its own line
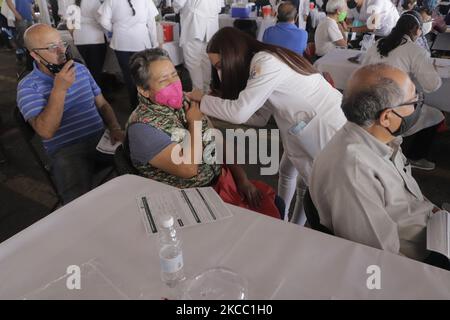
point(78, 2)
point(132, 8)
point(407, 25)
point(236, 49)
point(364, 106)
point(140, 63)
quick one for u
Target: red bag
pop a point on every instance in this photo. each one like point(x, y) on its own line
point(227, 190)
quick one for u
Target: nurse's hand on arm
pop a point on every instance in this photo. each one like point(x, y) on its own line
point(195, 95)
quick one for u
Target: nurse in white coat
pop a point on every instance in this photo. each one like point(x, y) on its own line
point(377, 16)
point(133, 27)
point(199, 21)
point(400, 50)
point(306, 108)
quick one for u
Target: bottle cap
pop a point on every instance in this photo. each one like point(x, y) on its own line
point(167, 221)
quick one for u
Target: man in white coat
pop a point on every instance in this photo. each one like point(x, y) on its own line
point(199, 22)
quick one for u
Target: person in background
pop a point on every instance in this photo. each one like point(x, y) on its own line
point(427, 26)
point(407, 5)
point(361, 183)
point(133, 28)
point(23, 12)
point(381, 27)
point(330, 32)
point(90, 38)
point(66, 108)
point(285, 33)
point(256, 80)
point(4, 37)
point(199, 21)
point(302, 7)
point(439, 24)
point(400, 50)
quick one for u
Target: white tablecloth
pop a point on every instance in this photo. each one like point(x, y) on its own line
point(336, 63)
point(225, 20)
point(103, 233)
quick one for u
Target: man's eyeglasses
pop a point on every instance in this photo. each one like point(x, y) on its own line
point(53, 48)
point(418, 103)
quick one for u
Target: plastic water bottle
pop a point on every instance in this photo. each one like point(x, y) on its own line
point(170, 253)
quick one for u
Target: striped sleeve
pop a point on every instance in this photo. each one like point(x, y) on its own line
point(94, 86)
point(30, 101)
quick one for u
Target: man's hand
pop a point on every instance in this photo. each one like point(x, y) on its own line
point(195, 95)
point(194, 113)
point(117, 135)
point(66, 77)
point(250, 193)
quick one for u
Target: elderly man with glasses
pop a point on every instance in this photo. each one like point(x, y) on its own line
point(64, 105)
point(361, 182)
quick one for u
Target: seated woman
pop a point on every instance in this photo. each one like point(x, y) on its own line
point(156, 130)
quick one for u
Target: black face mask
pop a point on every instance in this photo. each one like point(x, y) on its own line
point(407, 122)
point(55, 68)
point(351, 4)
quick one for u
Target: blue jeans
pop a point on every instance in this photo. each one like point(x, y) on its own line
point(73, 167)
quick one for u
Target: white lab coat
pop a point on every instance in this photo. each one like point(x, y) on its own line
point(8, 14)
point(388, 15)
point(90, 32)
point(199, 22)
point(294, 100)
point(416, 61)
point(130, 33)
point(199, 18)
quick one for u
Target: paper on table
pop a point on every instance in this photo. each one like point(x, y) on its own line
point(438, 238)
point(105, 146)
point(188, 207)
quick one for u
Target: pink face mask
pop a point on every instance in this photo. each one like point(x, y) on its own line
point(171, 96)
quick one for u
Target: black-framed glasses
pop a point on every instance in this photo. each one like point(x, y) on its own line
point(418, 103)
point(53, 48)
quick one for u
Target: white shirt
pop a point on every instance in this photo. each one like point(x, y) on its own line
point(364, 192)
point(388, 15)
point(410, 58)
point(130, 33)
point(293, 100)
point(199, 19)
point(327, 33)
point(90, 32)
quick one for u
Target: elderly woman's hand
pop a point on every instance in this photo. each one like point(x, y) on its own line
point(195, 95)
point(250, 193)
point(194, 113)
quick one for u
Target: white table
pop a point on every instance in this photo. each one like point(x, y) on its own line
point(280, 260)
point(225, 20)
point(337, 64)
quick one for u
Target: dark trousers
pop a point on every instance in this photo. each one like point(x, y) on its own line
point(418, 145)
point(94, 56)
point(73, 167)
point(438, 260)
point(123, 58)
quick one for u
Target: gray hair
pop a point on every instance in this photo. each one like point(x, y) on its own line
point(335, 5)
point(286, 12)
point(363, 107)
point(140, 62)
